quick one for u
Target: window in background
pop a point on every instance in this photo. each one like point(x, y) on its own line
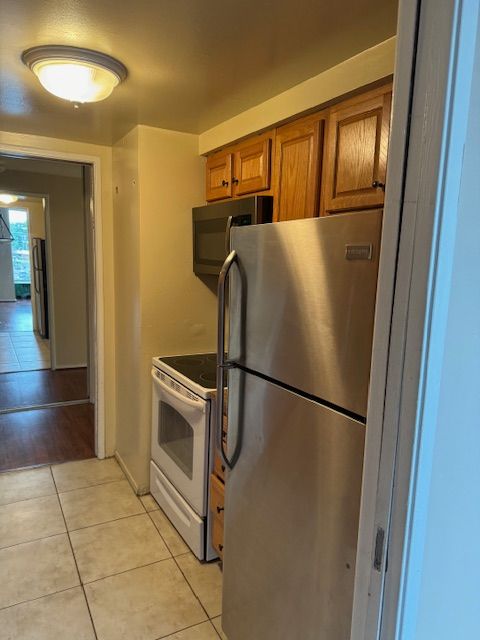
point(18, 223)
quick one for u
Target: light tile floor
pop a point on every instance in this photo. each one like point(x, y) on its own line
point(80, 552)
point(23, 351)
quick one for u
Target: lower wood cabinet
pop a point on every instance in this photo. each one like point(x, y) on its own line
point(217, 497)
point(217, 537)
point(297, 165)
point(217, 508)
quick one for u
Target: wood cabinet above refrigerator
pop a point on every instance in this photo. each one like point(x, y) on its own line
point(356, 147)
point(297, 166)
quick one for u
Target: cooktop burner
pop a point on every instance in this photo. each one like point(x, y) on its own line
point(201, 368)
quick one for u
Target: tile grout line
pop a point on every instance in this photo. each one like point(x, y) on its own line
point(45, 495)
point(184, 576)
point(191, 626)
point(19, 544)
point(209, 619)
point(74, 558)
point(160, 534)
point(90, 486)
point(46, 595)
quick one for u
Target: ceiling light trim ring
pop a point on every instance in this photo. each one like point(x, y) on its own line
point(51, 52)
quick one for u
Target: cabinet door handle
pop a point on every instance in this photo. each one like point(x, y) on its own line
point(220, 509)
point(224, 183)
point(220, 547)
point(234, 180)
point(376, 184)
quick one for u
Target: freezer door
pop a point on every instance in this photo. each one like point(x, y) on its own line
point(302, 304)
point(291, 515)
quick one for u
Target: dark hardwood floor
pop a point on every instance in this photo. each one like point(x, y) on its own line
point(16, 316)
point(30, 388)
point(44, 436)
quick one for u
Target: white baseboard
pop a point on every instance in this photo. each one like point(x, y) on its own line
point(81, 365)
point(140, 491)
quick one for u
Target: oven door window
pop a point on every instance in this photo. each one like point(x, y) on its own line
point(176, 438)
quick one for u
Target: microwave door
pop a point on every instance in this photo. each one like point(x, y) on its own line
point(210, 240)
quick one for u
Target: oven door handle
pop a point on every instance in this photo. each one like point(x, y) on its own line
point(191, 402)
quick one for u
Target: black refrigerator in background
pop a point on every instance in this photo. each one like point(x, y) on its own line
point(39, 291)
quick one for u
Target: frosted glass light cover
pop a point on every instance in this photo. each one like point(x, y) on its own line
point(7, 198)
point(75, 81)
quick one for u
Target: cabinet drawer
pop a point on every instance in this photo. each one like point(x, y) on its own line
point(217, 497)
point(219, 467)
point(217, 536)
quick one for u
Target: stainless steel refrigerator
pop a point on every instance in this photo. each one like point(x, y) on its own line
point(302, 298)
point(39, 290)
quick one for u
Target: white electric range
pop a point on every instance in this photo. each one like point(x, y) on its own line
point(183, 411)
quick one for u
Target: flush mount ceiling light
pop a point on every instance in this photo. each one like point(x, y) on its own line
point(75, 74)
point(7, 198)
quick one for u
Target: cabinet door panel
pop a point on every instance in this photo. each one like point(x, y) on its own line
point(252, 168)
point(356, 154)
point(219, 177)
point(297, 168)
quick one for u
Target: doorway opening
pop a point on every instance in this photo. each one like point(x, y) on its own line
point(47, 363)
point(24, 335)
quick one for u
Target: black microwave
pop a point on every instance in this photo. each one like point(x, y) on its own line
point(212, 224)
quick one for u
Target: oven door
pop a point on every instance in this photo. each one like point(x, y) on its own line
point(180, 421)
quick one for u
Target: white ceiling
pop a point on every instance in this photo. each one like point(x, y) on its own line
point(192, 63)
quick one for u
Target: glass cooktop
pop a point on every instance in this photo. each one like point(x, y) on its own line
point(201, 368)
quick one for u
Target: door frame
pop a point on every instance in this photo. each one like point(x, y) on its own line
point(433, 76)
point(98, 337)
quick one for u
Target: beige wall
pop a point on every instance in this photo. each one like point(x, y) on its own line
point(130, 441)
point(36, 217)
point(176, 311)
point(15, 143)
point(66, 269)
point(366, 67)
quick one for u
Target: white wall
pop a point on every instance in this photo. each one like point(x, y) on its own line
point(163, 308)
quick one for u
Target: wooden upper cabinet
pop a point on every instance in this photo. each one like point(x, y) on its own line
point(298, 152)
point(251, 167)
point(356, 149)
point(219, 176)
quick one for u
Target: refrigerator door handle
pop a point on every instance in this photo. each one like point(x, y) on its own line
point(35, 277)
point(221, 363)
point(227, 234)
point(35, 256)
